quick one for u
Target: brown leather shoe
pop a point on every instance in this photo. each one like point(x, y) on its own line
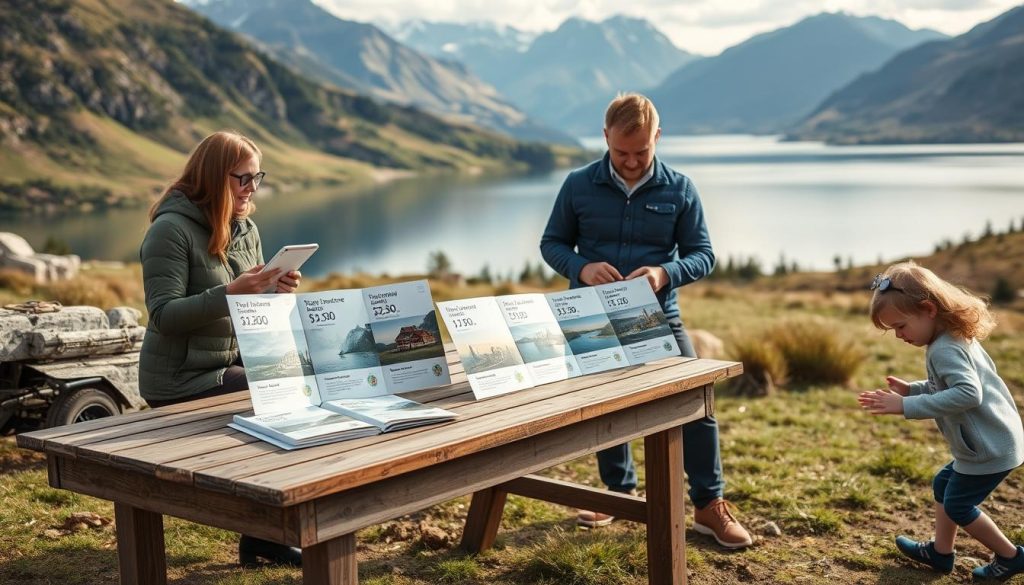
point(591, 519)
point(716, 520)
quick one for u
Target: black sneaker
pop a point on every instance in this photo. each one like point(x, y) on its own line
point(1001, 569)
point(924, 552)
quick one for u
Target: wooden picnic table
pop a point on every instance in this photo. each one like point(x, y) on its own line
point(184, 461)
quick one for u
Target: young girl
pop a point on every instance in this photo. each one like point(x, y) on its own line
point(969, 402)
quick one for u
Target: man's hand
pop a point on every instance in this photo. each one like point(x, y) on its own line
point(881, 402)
point(656, 275)
point(901, 387)
point(253, 281)
point(599, 273)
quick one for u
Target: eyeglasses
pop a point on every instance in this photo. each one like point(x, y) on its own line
point(883, 283)
point(245, 179)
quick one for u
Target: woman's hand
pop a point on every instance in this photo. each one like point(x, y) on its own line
point(289, 282)
point(253, 281)
point(881, 402)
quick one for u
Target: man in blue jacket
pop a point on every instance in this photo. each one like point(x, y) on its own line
point(628, 216)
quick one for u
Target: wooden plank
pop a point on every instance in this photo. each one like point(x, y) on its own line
point(222, 469)
point(390, 497)
point(331, 563)
point(141, 555)
point(147, 493)
point(483, 520)
point(623, 506)
point(301, 482)
point(73, 445)
point(666, 520)
point(37, 440)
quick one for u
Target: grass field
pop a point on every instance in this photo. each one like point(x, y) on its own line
point(837, 484)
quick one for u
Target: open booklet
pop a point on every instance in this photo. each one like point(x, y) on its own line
point(307, 355)
point(512, 342)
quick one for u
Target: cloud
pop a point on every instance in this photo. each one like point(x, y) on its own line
point(702, 26)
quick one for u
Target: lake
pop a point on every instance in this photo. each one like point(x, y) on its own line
point(762, 198)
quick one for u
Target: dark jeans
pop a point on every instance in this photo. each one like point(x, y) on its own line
point(234, 380)
point(960, 494)
point(702, 461)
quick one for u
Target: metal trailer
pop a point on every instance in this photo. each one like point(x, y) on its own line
point(61, 365)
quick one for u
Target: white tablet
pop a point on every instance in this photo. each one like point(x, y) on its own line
point(290, 258)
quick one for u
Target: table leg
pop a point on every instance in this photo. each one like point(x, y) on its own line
point(331, 563)
point(483, 519)
point(141, 556)
point(666, 519)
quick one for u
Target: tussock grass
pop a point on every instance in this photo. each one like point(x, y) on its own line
point(764, 367)
point(815, 353)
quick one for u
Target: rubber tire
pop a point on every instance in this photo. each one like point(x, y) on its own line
point(81, 405)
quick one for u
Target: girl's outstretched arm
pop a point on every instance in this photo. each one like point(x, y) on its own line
point(881, 402)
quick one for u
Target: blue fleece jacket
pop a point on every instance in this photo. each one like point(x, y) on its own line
point(971, 406)
point(661, 224)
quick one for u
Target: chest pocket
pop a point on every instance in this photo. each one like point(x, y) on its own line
point(658, 224)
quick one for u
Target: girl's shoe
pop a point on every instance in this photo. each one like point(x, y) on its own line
point(1001, 569)
point(924, 552)
point(251, 549)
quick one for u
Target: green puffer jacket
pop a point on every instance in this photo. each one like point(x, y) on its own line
point(189, 341)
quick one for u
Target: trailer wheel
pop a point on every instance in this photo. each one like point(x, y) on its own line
point(81, 405)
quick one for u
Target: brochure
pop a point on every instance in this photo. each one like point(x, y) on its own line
point(306, 427)
point(389, 413)
point(638, 320)
point(303, 350)
point(538, 337)
point(512, 342)
point(591, 336)
point(486, 347)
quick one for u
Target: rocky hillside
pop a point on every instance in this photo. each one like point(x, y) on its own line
point(967, 89)
point(111, 94)
point(364, 58)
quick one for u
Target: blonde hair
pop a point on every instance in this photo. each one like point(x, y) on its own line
point(205, 182)
point(960, 312)
point(631, 112)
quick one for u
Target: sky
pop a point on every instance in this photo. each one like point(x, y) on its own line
point(704, 27)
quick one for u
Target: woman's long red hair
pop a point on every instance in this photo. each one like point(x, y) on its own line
point(205, 181)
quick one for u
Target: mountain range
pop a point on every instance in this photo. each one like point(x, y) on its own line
point(107, 96)
point(966, 89)
point(564, 77)
point(361, 57)
point(772, 81)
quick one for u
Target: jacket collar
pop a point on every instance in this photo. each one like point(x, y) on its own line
point(179, 203)
point(603, 176)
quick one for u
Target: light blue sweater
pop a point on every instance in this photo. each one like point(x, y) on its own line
point(971, 406)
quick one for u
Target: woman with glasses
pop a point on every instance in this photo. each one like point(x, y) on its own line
point(200, 246)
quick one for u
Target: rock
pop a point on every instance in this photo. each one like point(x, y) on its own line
point(123, 317)
point(433, 537)
point(706, 344)
point(397, 531)
point(769, 529)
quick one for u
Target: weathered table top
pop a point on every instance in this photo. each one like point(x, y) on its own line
point(183, 460)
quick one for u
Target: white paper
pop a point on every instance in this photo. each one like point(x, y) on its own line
point(485, 345)
point(585, 325)
point(538, 337)
point(404, 326)
point(638, 320)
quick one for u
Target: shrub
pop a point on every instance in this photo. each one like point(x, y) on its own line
point(84, 291)
point(764, 367)
point(814, 352)
point(19, 283)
